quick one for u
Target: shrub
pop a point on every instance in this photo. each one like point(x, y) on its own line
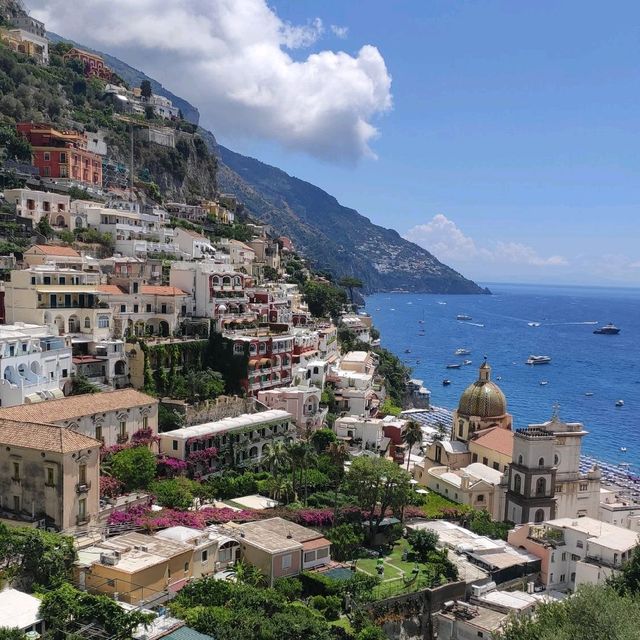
point(423, 541)
point(290, 588)
point(135, 467)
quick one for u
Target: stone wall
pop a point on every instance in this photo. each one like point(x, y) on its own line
point(409, 616)
point(211, 410)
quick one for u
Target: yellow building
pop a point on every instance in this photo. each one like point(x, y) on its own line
point(493, 447)
point(136, 567)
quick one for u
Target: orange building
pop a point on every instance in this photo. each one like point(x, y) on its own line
point(62, 154)
point(93, 64)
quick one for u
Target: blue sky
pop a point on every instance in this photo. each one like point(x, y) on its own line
point(518, 122)
point(508, 132)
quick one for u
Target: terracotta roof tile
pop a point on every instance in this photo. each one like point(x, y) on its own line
point(159, 290)
point(500, 440)
point(43, 437)
point(110, 288)
point(76, 406)
point(52, 250)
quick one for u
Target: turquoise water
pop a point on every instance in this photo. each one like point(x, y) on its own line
point(606, 366)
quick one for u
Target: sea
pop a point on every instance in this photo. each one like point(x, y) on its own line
point(606, 367)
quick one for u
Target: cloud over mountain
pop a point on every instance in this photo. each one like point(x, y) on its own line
point(234, 59)
point(448, 242)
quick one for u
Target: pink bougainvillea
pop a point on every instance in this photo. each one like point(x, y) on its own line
point(202, 455)
point(110, 487)
point(171, 466)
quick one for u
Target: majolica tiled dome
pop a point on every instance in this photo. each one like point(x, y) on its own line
point(483, 398)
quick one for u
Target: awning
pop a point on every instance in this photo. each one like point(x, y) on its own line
point(265, 361)
point(32, 398)
point(57, 393)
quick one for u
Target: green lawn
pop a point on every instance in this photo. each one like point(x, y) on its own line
point(395, 570)
point(435, 503)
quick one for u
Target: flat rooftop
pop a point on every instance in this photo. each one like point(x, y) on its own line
point(227, 424)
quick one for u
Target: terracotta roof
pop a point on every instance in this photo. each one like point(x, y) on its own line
point(500, 440)
point(110, 288)
point(43, 437)
point(52, 250)
point(318, 543)
point(77, 406)
point(160, 290)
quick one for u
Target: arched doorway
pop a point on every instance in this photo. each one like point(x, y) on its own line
point(539, 516)
point(163, 328)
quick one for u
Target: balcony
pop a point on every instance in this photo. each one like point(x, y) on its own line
point(122, 438)
point(82, 519)
point(83, 487)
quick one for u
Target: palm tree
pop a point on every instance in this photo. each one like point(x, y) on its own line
point(280, 488)
point(277, 458)
point(339, 454)
point(247, 574)
point(412, 435)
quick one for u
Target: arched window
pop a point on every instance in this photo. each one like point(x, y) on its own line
point(539, 517)
point(517, 484)
point(461, 429)
point(541, 487)
point(556, 459)
point(541, 462)
point(520, 459)
point(87, 323)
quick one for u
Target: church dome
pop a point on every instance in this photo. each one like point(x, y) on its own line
point(483, 398)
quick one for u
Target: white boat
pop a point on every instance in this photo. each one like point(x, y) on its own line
point(533, 324)
point(619, 403)
point(467, 362)
point(463, 316)
point(588, 394)
point(462, 352)
point(623, 449)
point(539, 360)
point(544, 382)
point(453, 366)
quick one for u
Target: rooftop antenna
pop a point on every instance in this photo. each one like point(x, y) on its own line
point(555, 411)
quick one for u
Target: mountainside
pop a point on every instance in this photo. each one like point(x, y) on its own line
point(332, 237)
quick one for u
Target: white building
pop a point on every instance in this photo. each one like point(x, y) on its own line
point(21, 611)
point(240, 441)
point(36, 205)
point(35, 364)
point(365, 432)
point(192, 244)
point(618, 510)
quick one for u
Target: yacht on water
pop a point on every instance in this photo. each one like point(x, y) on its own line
point(544, 383)
point(462, 352)
point(539, 360)
point(619, 403)
point(454, 366)
point(533, 324)
point(446, 383)
point(465, 362)
point(608, 330)
point(463, 316)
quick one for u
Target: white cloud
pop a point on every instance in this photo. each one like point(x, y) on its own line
point(340, 32)
point(230, 59)
point(442, 237)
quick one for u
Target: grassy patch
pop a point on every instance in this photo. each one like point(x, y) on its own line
point(435, 504)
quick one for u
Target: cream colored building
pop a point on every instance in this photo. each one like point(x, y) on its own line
point(112, 417)
point(303, 403)
point(476, 485)
point(36, 205)
point(48, 475)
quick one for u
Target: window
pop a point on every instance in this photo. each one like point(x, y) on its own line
point(579, 544)
point(205, 556)
point(481, 498)
point(103, 322)
point(82, 474)
point(63, 156)
point(519, 459)
point(551, 577)
point(322, 553)
point(541, 462)
point(135, 308)
point(286, 561)
point(87, 323)
point(541, 487)
point(562, 577)
point(99, 432)
point(461, 429)
point(584, 486)
point(46, 156)
point(111, 583)
point(123, 308)
point(122, 429)
point(174, 445)
point(485, 461)
point(145, 422)
point(539, 517)
point(16, 471)
point(309, 556)
point(186, 567)
point(16, 503)
point(82, 509)
point(496, 466)
point(553, 557)
point(556, 459)
point(575, 557)
point(50, 477)
point(573, 577)
point(474, 458)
